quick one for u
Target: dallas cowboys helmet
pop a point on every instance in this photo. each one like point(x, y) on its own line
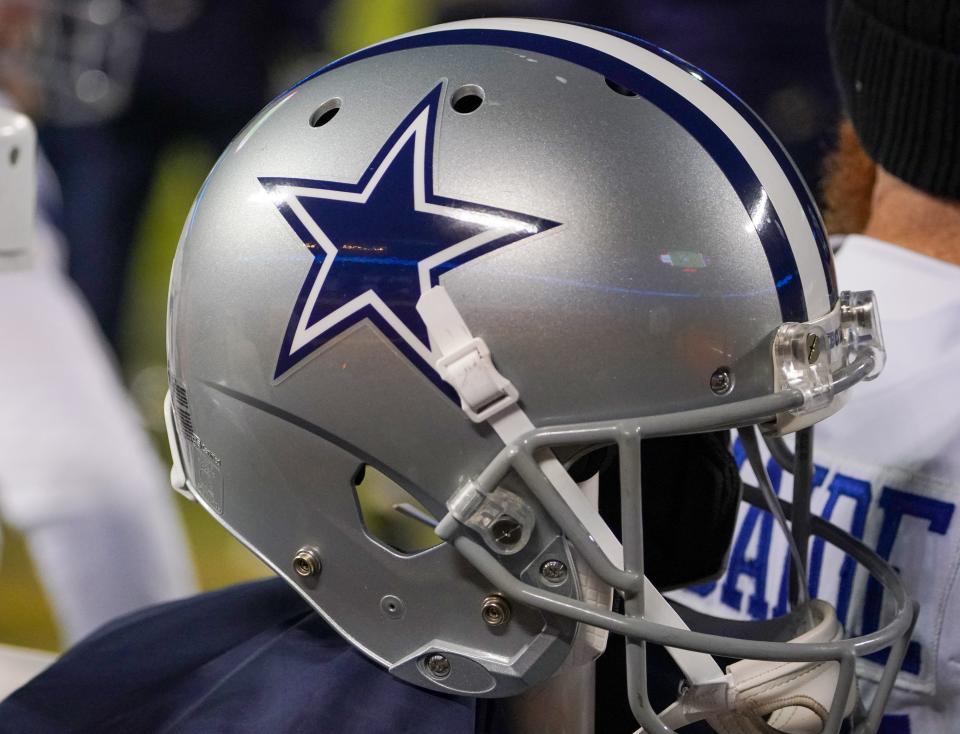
point(461, 259)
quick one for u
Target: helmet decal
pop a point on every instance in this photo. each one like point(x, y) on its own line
point(381, 242)
point(711, 134)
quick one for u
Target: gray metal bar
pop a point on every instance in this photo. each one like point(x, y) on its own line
point(780, 452)
point(520, 456)
point(856, 549)
point(847, 377)
point(748, 439)
point(529, 470)
point(631, 523)
point(876, 566)
point(643, 629)
point(700, 420)
point(649, 720)
point(800, 525)
point(845, 678)
point(889, 676)
point(688, 640)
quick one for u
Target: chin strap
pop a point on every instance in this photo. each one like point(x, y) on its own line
point(465, 362)
point(757, 696)
point(178, 478)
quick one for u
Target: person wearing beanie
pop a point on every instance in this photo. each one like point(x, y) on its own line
point(897, 65)
point(888, 466)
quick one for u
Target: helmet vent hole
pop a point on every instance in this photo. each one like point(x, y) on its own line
point(619, 88)
point(14, 155)
point(467, 99)
point(391, 516)
point(325, 112)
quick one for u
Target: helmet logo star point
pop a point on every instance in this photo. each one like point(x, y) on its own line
point(381, 242)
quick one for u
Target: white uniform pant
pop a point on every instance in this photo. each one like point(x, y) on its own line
point(78, 476)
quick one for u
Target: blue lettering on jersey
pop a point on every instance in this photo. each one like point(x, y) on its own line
point(756, 567)
point(894, 724)
point(896, 504)
point(739, 564)
point(859, 491)
point(819, 474)
point(782, 606)
point(379, 243)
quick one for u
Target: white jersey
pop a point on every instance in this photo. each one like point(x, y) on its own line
point(78, 476)
point(888, 472)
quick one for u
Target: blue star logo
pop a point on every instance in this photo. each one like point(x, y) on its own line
point(381, 242)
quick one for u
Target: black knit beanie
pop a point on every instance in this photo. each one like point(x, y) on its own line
point(898, 66)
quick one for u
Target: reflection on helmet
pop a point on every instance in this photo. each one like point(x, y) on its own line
point(463, 258)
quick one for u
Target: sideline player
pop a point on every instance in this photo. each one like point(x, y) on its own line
point(78, 476)
point(888, 466)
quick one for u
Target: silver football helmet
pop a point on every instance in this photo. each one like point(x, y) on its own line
point(462, 258)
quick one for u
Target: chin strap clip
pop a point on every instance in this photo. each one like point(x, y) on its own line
point(465, 363)
point(178, 477)
point(483, 391)
point(756, 696)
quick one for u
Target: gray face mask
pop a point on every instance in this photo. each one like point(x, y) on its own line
point(691, 482)
point(462, 258)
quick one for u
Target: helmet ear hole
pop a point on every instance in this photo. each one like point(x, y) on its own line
point(391, 516)
point(588, 461)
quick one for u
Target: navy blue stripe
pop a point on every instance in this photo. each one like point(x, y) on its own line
point(742, 178)
point(783, 158)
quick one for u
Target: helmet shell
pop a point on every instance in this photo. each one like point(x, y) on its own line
point(680, 239)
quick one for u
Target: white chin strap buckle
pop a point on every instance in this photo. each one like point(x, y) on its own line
point(756, 696)
point(483, 391)
point(464, 362)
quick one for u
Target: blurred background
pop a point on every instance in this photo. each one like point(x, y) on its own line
point(135, 100)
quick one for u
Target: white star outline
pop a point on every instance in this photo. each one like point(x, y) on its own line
point(289, 195)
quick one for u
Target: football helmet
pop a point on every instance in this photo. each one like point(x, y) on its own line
point(465, 257)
